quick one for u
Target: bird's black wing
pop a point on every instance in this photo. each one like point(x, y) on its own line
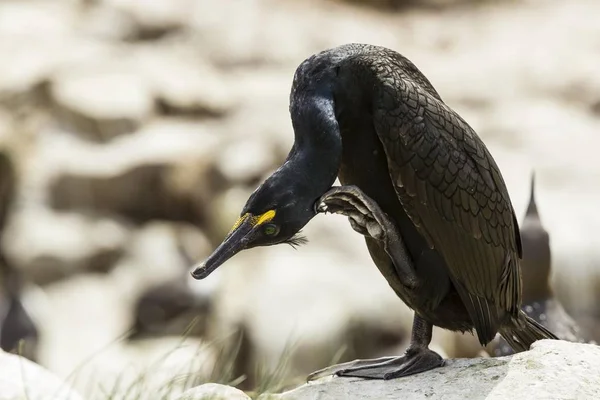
point(452, 189)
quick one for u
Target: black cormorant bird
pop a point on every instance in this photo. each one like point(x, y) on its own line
point(18, 332)
point(435, 210)
point(539, 302)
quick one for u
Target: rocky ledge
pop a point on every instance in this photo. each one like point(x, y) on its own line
point(551, 370)
point(21, 379)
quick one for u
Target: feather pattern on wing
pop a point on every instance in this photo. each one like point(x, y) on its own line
point(452, 190)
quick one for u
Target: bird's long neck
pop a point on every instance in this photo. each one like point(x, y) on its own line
point(317, 152)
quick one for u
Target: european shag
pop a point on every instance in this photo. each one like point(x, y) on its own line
point(418, 183)
point(539, 301)
point(18, 331)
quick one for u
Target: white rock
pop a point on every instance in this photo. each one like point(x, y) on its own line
point(183, 83)
point(251, 33)
point(155, 276)
point(161, 141)
point(247, 160)
point(108, 23)
point(154, 17)
point(170, 157)
point(87, 315)
point(213, 391)
point(550, 370)
point(36, 18)
point(225, 210)
point(153, 255)
point(21, 379)
point(33, 55)
point(102, 103)
point(47, 246)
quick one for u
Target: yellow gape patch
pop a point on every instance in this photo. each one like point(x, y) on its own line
point(266, 217)
point(257, 220)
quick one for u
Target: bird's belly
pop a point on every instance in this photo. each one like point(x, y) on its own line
point(364, 164)
point(445, 311)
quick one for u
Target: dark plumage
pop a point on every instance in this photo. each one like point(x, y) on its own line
point(18, 332)
point(418, 183)
point(539, 301)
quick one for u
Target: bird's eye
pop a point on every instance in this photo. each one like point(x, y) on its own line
point(271, 229)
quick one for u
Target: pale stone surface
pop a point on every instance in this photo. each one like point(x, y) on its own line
point(96, 358)
point(23, 380)
point(245, 161)
point(183, 83)
point(153, 18)
point(46, 246)
point(550, 370)
point(104, 21)
point(35, 58)
point(102, 103)
point(42, 18)
point(143, 176)
point(225, 210)
point(213, 391)
point(159, 261)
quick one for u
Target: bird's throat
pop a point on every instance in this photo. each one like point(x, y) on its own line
point(316, 155)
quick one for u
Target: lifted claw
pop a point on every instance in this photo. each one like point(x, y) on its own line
point(368, 219)
point(321, 208)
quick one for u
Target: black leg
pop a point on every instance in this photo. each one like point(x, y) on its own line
point(418, 358)
point(368, 219)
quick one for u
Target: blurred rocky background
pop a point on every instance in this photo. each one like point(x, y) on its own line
point(138, 128)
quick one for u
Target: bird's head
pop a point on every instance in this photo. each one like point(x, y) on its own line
point(285, 202)
point(275, 213)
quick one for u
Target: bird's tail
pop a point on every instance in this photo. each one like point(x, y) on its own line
point(523, 331)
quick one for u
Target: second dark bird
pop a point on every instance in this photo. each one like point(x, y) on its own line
point(539, 301)
point(418, 183)
point(18, 331)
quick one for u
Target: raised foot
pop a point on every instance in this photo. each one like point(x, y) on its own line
point(413, 362)
point(368, 219)
point(364, 213)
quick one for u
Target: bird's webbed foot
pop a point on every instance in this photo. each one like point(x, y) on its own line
point(368, 219)
point(416, 359)
point(364, 214)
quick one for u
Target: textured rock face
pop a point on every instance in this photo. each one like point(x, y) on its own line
point(21, 379)
point(159, 172)
point(550, 370)
point(101, 104)
point(153, 18)
point(48, 247)
point(171, 306)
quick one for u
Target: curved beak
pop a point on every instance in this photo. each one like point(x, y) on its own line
point(235, 242)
